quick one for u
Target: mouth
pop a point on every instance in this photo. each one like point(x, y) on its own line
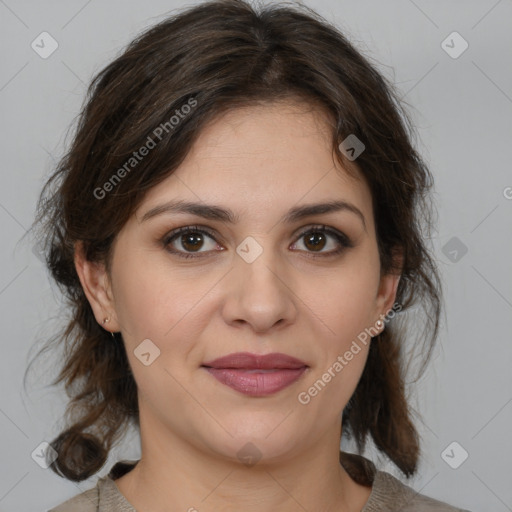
point(256, 375)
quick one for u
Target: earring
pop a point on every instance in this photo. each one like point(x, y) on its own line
point(106, 321)
point(379, 324)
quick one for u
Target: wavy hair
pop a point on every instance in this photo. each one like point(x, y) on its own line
point(222, 55)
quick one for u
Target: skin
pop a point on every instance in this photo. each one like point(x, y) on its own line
point(259, 162)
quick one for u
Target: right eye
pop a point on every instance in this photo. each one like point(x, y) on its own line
point(191, 239)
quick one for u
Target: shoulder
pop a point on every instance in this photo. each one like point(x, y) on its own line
point(103, 497)
point(388, 492)
point(85, 502)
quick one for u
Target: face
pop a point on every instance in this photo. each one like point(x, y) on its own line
point(303, 286)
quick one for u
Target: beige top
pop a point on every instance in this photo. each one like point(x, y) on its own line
point(388, 494)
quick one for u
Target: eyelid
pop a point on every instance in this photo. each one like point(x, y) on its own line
point(323, 228)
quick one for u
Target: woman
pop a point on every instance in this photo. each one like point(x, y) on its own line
point(237, 228)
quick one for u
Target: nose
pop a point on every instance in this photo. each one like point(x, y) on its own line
point(260, 294)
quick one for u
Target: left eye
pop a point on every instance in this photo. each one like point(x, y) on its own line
point(192, 240)
point(315, 239)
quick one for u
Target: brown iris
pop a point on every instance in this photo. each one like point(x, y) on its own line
point(315, 241)
point(192, 241)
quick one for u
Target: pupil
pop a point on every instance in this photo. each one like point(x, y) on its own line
point(313, 239)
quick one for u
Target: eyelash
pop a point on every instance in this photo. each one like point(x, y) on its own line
point(341, 238)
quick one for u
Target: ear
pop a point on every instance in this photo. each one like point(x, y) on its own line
point(97, 288)
point(388, 285)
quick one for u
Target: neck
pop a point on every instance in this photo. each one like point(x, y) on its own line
point(176, 475)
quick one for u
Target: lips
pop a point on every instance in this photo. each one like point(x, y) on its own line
point(256, 375)
point(247, 361)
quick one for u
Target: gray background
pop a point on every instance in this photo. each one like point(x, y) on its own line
point(462, 108)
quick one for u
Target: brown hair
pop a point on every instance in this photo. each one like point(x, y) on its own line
point(217, 56)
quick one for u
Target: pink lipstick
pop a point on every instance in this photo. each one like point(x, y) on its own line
point(256, 375)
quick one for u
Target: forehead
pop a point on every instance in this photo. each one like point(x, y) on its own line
point(263, 159)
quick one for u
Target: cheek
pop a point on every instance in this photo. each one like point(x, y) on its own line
point(343, 303)
point(149, 298)
point(153, 304)
point(164, 306)
point(344, 300)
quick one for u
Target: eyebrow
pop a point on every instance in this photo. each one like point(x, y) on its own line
point(213, 212)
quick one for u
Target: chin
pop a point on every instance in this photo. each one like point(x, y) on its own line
point(253, 442)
